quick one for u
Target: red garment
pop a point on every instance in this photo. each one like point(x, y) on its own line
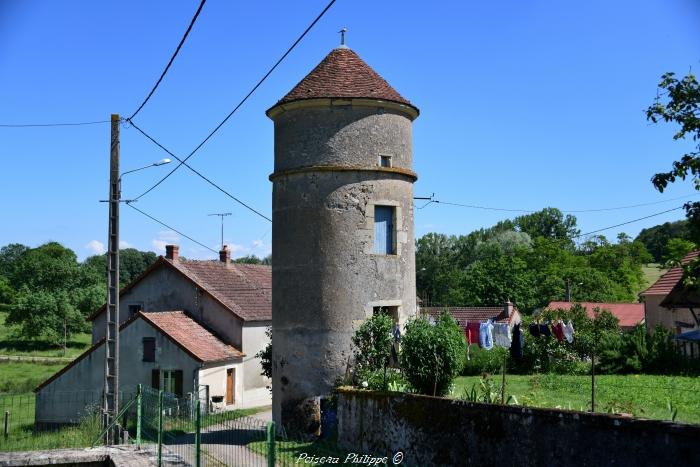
point(473, 332)
point(558, 331)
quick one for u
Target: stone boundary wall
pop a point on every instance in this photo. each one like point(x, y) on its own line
point(438, 431)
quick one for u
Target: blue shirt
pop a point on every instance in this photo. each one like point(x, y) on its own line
point(486, 335)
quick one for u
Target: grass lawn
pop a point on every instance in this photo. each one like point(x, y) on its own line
point(10, 344)
point(20, 377)
point(652, 273)
point(645, 396)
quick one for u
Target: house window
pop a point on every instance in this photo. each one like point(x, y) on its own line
point(384, 230)
point(384, 161)
point(135, 308)
point(392, 311)
point(168, 380)
point(149, 349)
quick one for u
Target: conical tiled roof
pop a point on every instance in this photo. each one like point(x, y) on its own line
point(343, 74)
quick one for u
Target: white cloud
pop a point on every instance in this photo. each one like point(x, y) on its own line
point(258, 243)
point(124, 244)
point(96, 246)
point(239, 250)
point(165, 237)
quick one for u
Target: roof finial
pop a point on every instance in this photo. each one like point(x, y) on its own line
point(342, 36)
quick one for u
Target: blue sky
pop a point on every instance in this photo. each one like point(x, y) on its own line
point(524, 104)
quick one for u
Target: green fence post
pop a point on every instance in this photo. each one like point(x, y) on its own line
point(139, 399)
point(160, 428)
point(198, 436)
point(271, 444)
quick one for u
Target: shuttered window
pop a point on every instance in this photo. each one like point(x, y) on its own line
point(155, 379)
point(384, 230)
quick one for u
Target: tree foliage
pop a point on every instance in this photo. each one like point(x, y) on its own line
point(531, 268)
point(656, 238)
point(432, 355)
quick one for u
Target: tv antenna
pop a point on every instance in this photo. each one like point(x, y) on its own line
point(221, 215)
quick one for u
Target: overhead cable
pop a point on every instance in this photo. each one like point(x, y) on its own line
point(172, 59)
point(171, 228)
point(257, 85)
point(628, 222)
point(29, 125)
point(182, 162)
point(565, 211)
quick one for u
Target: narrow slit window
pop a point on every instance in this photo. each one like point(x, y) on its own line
point(384, 230)
point(384, 161)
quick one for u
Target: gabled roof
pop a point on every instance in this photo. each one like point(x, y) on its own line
point(200, 343)
point(343, 74)
point(472, 313)
point(192, 337)
point(243, 289)
point(668, 281)
point(629, 314)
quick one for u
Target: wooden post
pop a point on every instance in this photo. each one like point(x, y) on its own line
point(6, 430)
point(503, 382)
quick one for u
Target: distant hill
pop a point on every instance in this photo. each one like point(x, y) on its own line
point(655, 238)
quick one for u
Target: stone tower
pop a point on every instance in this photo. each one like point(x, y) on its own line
point(342, 231)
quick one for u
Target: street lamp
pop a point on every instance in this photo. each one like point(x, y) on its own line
point(111, 376)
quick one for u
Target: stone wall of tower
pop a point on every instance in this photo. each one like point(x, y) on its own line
point(326, 278)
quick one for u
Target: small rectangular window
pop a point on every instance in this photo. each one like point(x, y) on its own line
point(384, 230)
point(149, 349)
point(384, 161)
point(392, 311)
point(135, 308)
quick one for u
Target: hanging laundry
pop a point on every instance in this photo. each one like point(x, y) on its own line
point(501, 335)
point(486, 335)
point(534, 329)
point(569, 332)
point(544, 330)
point(473, 328)
point(396, 332)
point(558, 331)
point(517, 343)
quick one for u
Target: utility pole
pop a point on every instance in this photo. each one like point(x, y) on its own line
point(568, 290)
point(110, 407)
point(222, 215)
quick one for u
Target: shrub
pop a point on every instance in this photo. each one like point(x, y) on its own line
point(484, 361)
point(432, 355)
point(372, 349)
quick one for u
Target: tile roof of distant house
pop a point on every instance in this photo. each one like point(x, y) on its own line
point(668, 281)
point(200, 343)
point(471, 313)
point(244, 289)
point(191, 336)
point(629, 314)
point(343, 74)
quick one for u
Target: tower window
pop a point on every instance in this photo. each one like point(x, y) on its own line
point(391, 311)
point(384, 230)
point(384, 161)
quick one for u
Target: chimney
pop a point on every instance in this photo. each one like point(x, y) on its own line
point(508, 308)
point(172, 252)
point(225, 256)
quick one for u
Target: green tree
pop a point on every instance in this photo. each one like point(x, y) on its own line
point(432, 355)
point(549, 223)
point(679, 102)
point(46, 314)
point(372, 343)
point(132, 263)
point(656, 238)
point(676, 249)
point(9, 256)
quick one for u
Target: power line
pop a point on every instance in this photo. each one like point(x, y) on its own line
point(29, 125)
point(167, 67)
point(628, 222)
point(182, 162)
point(289, 50)
point(565, 211)
point(171, 228)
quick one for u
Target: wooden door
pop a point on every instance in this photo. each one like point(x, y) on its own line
point(230, 385)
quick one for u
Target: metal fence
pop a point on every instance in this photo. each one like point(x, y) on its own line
point(69, 419)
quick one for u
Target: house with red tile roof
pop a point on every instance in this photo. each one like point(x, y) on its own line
point(507, 314)
point(667, 304)
point(186, 327)
point(629, 315)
